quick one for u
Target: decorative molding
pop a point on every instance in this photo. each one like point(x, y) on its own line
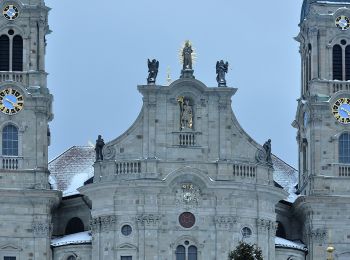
point(265, 224)
point(319, 234)
point(109, 152)
point(188, 196)
point(42, 229)
point(225, 222)
point(103, 223)
point(148, 219)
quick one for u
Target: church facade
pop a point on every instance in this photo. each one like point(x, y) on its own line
point(185, 181)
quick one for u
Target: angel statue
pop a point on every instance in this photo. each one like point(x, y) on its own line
point(221, 70)
point(152, 71)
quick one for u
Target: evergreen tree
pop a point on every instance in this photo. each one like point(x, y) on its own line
point(245, 251)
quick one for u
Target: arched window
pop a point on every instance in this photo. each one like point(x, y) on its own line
point(4, 53)
point(347, 62)
point(180, 253)
point(17, 53)
point(192, 253)
point(71, 257)
point(337, 62)
point(280, 232)
point(10, 140)
point(344, 148)
point(74, 225)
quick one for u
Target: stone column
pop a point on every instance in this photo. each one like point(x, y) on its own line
point(148, 235)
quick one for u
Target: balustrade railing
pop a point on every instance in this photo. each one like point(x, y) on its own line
point(187, 139)
point(20, 77)
point(11, 162)
point(339, 86)
point(127, 167)
point(244, 170)
point(343, 170)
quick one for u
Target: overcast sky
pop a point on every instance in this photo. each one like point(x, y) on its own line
point(97, 55)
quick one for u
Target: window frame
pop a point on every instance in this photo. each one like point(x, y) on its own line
point(2, 140)
point(346, 157)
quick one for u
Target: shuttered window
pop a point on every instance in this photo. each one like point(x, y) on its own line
point(337, 63)
point(17, 53)
point(347, 62)
point(4, 53)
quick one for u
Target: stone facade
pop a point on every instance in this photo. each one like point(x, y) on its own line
point(185, 176)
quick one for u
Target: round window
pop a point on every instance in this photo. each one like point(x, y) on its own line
point(187, 220)
point(246, 232)
point(126, 230)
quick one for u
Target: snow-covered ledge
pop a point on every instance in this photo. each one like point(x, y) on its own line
point(77, 238)
point(286, 249)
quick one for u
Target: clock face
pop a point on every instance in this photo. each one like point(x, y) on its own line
point(10, 12)
point(11, 101)
point(341, 110)
point(342, 22)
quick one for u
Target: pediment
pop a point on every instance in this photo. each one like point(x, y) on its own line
point(10, 247)
point(127, 247)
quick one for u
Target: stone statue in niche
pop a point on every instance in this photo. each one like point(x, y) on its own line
point(221, 70)
point(267, 148)
point(98, 148)
point(186, 113)
point(153, 67)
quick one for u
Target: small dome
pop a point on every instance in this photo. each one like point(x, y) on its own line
point(307, 3)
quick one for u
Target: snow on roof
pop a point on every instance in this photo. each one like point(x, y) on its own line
point(286, 176)
point(77, 238)
point(281, 242)
point(71, 169)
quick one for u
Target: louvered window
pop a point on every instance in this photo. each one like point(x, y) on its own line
point(17, 53)
point(4, 53)
point(337, 63)
point(347, 62)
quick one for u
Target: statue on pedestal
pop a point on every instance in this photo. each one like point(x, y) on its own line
point(267, 148)
point(152, 71)
point(98, 148)
point(187, 56)
point(221, 70)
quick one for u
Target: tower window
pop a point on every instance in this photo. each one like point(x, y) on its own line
point(344, 148)
point(4, 53)
point(337, 62)
point(347, 62)
point(10, 140)
point(17, 53)
point(11, 52)
point(75, 225)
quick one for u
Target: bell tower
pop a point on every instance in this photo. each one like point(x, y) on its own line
point(323, 123)
point(25, 111)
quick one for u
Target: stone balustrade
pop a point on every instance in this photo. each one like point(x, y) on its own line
point(20, 77)
point(127, 167)
point(244, 171)
point(343, 170)
point(11, 162)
